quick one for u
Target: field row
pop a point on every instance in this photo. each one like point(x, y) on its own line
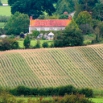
point(77, 66)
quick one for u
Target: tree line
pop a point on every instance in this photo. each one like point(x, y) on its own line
point(87, 19)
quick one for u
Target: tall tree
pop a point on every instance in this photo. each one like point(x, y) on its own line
point(85, 5)
point(64, 6)
point(84, 20)
point(71, 36)
point(17, 23)
point(98, 11)
point(33, 7)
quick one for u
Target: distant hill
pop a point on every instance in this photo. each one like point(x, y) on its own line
point(77, 66)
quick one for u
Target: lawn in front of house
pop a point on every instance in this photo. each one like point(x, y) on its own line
point(33, 43)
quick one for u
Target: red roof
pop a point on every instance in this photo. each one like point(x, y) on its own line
point(50, 22)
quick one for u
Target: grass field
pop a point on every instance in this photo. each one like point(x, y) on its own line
point(95, 100)
point(4, 1)
point(33, 43)
point(5, 10)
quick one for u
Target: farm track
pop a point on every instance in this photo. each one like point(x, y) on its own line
point(77, 66)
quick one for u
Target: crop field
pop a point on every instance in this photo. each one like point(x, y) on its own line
point(77, 66)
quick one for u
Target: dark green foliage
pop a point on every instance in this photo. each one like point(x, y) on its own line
point(21, 90)
point(87, 5)
point(45, 45)
point(22, 35)
point(98, 12)
point(37, 44)
point(71, 36)
point(64, 6)
point(17, 23)
point(63, 16)
point(32, 7)
point(7, 44)
point(27, 42)
point(87, 92)
point(58, 91)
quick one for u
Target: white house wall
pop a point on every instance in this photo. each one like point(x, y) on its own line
point(45, 28)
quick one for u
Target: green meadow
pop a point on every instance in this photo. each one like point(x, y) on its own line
point(95, 100)
point(5, 10)
point(33, 42)
point(4, 1)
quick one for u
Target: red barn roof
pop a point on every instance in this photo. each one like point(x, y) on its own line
point(50, 22)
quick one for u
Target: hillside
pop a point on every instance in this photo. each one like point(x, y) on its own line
point(78, 66)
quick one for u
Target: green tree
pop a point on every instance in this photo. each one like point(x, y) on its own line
point(84, 20)
point(27, 42)
point(64, 6)
point(85, 5)
point(33, 8)
point(98, 11)
point(71, 36)
point(34, 34)
point(17, 23)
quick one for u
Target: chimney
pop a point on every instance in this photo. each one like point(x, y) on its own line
point(31, 18)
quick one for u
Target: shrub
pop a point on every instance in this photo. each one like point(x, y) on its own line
point(45, 45)
point(87, 92)
point(37, 44)
point(7, 44)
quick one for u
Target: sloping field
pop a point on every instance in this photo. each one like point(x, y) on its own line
point(77, 66)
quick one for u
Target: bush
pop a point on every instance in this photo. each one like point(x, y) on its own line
point(87, 92)
point(58, 91)
point(37, 44)
point(75, 99)
point(45, 45)
point(7, 44)
point(27, 42)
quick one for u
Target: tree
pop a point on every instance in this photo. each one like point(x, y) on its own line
point(71, 36)
point(85, 5)
point(27, 42)
point(84, 20)
point(34, 34)
point(17, 23)
point(98, 11)
point(33, 8)
point(64, 6)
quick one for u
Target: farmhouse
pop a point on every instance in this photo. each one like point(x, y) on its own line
point(48, 24)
